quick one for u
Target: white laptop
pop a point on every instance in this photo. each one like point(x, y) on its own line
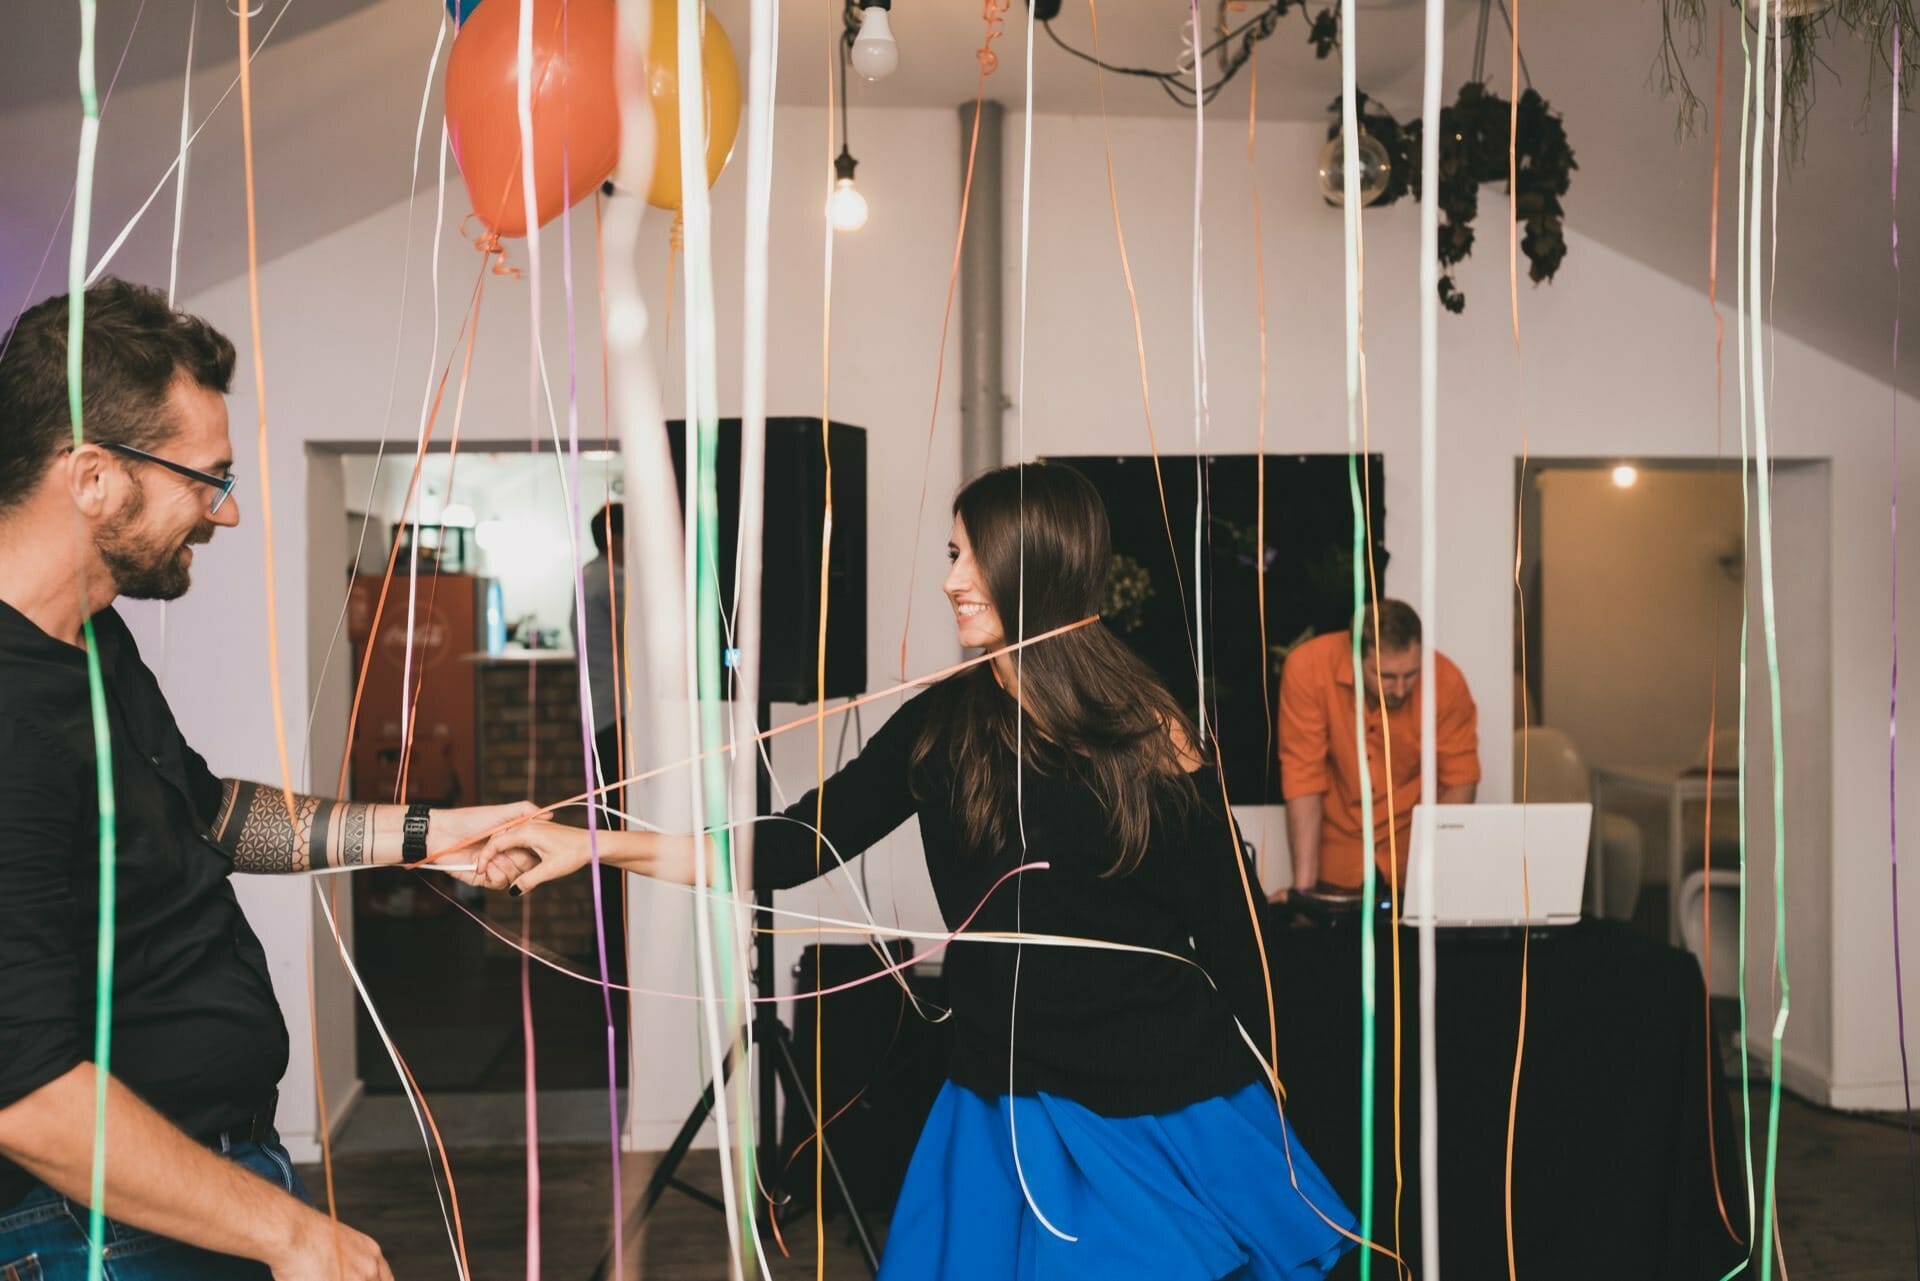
point(1477, 855)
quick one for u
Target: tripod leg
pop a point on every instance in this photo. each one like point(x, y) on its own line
point(790, 1076)
point(663, 1174)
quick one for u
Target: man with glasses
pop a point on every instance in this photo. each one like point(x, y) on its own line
point(197, 1182)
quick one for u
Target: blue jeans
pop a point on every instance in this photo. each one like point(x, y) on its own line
point(43, 1237)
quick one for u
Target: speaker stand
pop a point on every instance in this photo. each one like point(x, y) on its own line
point(778, 1071)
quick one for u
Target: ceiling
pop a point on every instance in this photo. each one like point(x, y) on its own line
point(337, 82)
point(938, 39)
point(138, 43)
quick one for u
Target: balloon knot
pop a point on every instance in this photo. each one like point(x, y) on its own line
point(993, 13)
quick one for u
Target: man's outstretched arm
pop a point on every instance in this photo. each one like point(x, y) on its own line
point(258, 831)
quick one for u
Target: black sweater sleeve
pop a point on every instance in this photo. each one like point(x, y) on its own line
point(1220, 909)
point(869, 797)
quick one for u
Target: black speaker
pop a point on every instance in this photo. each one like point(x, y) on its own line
point(796, 494)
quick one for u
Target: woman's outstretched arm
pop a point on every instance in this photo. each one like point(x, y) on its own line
point(531, 854)
point(858, 806)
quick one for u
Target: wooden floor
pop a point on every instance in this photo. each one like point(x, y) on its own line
point(1846, 1204)
point(1843, 1198)
point(387, 1196)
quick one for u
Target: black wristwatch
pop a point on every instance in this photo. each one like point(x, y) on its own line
point(413, 839)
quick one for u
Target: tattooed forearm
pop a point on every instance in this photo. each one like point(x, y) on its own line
point(256, 830)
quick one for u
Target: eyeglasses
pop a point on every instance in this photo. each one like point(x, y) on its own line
point(221, 485)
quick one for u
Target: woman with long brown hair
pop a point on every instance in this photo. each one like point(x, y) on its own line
point(1106, 1114)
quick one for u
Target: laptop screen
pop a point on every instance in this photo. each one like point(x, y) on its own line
point(1498, 865)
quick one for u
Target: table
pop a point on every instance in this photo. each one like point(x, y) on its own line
point(1612, 1175)
point(1677, 789)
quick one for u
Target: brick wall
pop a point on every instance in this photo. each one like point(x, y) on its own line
point(562, 910)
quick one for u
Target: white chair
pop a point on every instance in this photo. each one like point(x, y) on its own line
point(1556, 773)
point(1719, 956)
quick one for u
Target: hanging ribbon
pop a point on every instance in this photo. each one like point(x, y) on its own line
point(1430, 612)
point(1893, 678)
point(1350, 219)
point(96, 689)
point(715, 936)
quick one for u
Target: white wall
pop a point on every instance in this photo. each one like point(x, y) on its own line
point(1817, 740)
point(1618, 360)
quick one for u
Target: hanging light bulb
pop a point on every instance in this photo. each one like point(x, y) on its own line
point(1376, 169)
point(875, 55)
point(846, 207)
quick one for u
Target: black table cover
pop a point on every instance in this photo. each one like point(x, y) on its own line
point(1612, 1173)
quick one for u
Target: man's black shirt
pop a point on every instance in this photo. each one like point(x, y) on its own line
point(196, 1031)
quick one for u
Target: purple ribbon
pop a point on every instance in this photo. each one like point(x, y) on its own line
point(1893, 687)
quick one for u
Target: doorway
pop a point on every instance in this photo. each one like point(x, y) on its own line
point(1632, 581)
point(452, 618)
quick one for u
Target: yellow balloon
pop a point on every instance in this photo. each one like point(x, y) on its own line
point(722, 75)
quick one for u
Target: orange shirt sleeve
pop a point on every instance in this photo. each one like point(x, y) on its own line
point(1456, 729)
point(1303, 724)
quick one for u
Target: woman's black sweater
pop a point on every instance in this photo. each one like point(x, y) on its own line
point(1123, 1033)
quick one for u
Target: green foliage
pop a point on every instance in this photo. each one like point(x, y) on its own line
point(1129, 589)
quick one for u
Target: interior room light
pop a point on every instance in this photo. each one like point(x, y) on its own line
point(875, 55)
point(491, 536)
point(846, 207)
point(1376, 170)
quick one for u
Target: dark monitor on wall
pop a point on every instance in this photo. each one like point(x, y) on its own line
point(1308, 554)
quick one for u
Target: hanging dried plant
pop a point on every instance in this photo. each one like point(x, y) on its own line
point(1473, 151)
point(1805, 26)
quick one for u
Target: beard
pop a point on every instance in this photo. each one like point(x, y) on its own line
point(146, 567)
point(1377, 701)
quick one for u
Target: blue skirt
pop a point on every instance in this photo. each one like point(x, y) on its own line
point(1202, 1194)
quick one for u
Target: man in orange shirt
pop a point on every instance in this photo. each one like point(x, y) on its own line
point(1319, 758)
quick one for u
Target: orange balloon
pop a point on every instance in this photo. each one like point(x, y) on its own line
point(576, 110)
point(722, 75)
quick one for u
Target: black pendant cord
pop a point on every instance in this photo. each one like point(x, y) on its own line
point(846, 49)
point(1480, 44)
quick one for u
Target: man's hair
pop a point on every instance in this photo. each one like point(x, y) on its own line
point(1399, 627)
point(133, 346)
point(609, 525)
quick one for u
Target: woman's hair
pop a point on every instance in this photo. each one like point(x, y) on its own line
point(1043, 547)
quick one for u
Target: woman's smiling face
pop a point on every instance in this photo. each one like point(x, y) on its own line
point(976, 620)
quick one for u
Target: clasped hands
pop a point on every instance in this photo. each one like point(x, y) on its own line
point(523, 854)
point(503, 844)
